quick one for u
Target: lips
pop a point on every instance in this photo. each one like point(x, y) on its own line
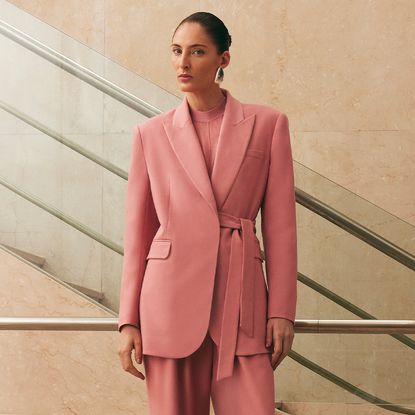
point(185, 76)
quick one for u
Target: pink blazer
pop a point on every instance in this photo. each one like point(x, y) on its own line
point(181, 229)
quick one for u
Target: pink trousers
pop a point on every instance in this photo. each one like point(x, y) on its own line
point(184, 386)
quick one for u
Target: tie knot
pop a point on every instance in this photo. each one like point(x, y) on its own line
point(227, 220)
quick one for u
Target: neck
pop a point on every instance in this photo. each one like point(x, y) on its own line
point(205, 100)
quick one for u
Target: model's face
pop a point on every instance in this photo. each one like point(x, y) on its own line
point(194, 53)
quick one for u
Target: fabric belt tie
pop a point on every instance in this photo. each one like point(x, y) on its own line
point(239, 295)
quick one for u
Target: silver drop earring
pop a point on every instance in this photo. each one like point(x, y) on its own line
point(219, 75)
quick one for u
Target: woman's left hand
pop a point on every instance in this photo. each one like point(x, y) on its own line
point(280, 332)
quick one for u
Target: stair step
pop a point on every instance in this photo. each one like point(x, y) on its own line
point(37, 260)
point(278, 410)
point(40, 261)
point(96, 295)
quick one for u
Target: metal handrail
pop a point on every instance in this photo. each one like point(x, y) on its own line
point(347, 305)
point(81, 72)
point(65, 218)
point(300, 325)
point(65, 141)
point(355, 228)
point(344, 384)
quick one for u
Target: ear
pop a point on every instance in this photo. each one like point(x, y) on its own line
point(226, 57)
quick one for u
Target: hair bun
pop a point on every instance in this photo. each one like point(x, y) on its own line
point(214, 28)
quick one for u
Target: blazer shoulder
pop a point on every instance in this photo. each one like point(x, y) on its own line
point(154, 124)
point(265, 112)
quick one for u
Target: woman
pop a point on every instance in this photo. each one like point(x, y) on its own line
point(194, 304)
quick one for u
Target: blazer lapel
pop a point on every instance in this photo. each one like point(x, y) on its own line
point(234, 137)
point(185, 143)
point(235, 134)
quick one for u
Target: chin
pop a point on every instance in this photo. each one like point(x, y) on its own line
point(187, 88)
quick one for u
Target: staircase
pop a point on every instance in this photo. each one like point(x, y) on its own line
point(66, 120)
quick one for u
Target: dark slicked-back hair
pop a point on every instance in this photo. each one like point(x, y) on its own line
point(213, 26)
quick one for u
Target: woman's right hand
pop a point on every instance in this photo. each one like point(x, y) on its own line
point(130, 339)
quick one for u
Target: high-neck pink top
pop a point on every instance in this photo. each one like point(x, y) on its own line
point(207, 125)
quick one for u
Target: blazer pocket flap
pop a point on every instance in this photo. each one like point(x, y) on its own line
point(160, 248)
point(252, 152)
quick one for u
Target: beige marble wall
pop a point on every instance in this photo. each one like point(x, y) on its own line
point(341, 70)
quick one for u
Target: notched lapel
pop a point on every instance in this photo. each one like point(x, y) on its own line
point(234, 137)
point(185, 143)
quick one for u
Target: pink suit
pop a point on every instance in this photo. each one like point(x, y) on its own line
point(185, 230)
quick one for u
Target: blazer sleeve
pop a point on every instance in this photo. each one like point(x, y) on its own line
point(141, 224)
point(278, 226)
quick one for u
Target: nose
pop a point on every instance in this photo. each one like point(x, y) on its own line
point(184, 61)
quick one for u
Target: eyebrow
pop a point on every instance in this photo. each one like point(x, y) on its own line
point(195, 44)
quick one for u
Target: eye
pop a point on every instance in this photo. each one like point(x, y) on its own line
point(176, 51)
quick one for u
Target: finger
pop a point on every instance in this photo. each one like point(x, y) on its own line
point(138, 351)
point(268, 340)
point(135, 372)
point(128, 366)
point(287, 342)
point(275, 358)
point(278, 347)
point(280, 359)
